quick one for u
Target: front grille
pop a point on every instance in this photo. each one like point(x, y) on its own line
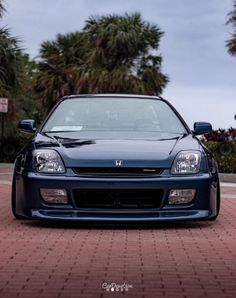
point(118, 198)
point(117, 172)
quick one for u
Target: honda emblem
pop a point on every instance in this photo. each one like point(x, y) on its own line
point(118, 163)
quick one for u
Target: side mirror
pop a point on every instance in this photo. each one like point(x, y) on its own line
point(27, 125)
point(200, 128)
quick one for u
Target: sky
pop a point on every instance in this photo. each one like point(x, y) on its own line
point(202, 74)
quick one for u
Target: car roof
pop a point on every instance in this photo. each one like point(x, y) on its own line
point(113, 95)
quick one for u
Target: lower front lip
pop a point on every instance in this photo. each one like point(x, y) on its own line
point(73, 215)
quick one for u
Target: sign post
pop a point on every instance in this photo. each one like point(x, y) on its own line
point(3, 111)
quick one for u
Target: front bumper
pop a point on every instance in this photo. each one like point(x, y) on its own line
point(30, 204)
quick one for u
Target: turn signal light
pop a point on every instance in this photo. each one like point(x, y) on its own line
point(181, 196)
point(55, 196)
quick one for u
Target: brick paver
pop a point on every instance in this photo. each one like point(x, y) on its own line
point(195, 259)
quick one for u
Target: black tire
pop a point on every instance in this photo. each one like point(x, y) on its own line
point(13, 199)
point(218, 203)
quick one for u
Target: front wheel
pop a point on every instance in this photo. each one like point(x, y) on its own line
point(217, 203)
point(13, 200)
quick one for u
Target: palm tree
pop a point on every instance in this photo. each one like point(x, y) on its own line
point(12, 75)
point(58, 68)
point(10, 60)
point(115, 54)
point(10, 63)
point(119, 58)
point(231, 43)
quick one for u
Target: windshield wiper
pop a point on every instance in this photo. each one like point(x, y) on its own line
point(70, 142)
point(59, 131)
point(66, 139)
point(77, 143)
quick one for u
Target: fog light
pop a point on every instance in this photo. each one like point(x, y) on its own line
point(181, 196)
point(57, 196)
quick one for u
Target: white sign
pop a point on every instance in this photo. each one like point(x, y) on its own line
point(3, 105)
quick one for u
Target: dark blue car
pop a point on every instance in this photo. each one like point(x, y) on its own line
point(115, 158)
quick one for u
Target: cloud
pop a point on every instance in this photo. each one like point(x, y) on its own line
point(215, 105)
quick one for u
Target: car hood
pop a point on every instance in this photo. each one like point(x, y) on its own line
point(104, 152)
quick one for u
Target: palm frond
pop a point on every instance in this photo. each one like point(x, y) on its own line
point(2, 8)
point(231, 43)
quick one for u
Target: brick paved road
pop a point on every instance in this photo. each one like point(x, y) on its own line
point(70, 260)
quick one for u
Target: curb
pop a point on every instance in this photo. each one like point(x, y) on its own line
point(229, 178)
point(6, 165)
point(5, 182)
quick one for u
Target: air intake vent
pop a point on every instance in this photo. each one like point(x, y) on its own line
point(118, 198)
point(118, 172)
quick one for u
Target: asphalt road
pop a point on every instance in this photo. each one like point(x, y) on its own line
point(196, 259)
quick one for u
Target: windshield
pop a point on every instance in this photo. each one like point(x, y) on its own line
point(114, 117)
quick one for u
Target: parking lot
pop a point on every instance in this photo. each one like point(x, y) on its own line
point(195, 259)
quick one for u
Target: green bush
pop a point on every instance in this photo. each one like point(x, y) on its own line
point(225, 154)
point(11, 145)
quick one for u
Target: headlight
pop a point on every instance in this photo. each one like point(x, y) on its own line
point(186, 162)
point(48, 161)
